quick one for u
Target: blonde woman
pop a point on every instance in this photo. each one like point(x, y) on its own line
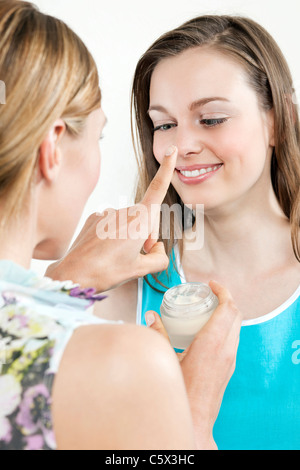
point(219, 89)
point(67, 379)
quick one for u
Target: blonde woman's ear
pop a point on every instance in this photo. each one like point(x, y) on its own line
point(49, 153)
point(58, 129)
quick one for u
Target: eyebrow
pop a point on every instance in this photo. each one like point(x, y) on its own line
point(194, 105)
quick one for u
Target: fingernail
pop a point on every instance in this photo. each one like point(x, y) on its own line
point(170, 150)
point(150, 318)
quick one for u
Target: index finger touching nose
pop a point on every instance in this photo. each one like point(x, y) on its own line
point(159, 186)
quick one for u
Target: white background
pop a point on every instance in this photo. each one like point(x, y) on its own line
point(118, 32)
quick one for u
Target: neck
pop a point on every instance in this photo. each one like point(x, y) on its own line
point(18, 240)
point(243, 235)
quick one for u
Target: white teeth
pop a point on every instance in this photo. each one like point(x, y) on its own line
point(203, 171)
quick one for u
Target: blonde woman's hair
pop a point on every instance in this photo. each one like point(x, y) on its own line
point(269, 76)
point(48, 74)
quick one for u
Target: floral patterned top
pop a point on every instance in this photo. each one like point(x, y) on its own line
point(37, 319)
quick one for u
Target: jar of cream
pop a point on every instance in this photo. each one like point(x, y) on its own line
point(184, 311)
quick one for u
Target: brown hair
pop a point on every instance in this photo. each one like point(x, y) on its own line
point(267, 73)
point(48, 74)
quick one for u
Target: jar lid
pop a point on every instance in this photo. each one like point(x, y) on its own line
point(186, 297)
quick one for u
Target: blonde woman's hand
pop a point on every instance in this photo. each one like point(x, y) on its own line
point(209, 362)
point(108, 250)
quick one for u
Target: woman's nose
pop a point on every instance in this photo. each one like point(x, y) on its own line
point(188, 141)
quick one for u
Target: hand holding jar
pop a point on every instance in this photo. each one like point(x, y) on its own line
point(209, 362)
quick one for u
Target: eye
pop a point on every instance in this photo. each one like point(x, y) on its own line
point(164, 127)
point(213, 122)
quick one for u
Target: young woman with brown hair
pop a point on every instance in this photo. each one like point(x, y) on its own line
point(219, 89)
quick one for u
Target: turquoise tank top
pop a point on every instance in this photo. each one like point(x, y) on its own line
point(261, 405)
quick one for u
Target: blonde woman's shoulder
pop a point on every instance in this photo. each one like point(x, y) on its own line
point(120, 304)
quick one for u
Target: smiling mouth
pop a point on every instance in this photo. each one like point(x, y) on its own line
point(199, 172)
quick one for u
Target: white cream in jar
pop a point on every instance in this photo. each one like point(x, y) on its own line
point(185, 309)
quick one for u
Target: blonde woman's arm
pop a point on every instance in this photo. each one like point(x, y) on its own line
point(120, 387)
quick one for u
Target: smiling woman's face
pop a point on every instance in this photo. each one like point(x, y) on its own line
point(201, 102)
